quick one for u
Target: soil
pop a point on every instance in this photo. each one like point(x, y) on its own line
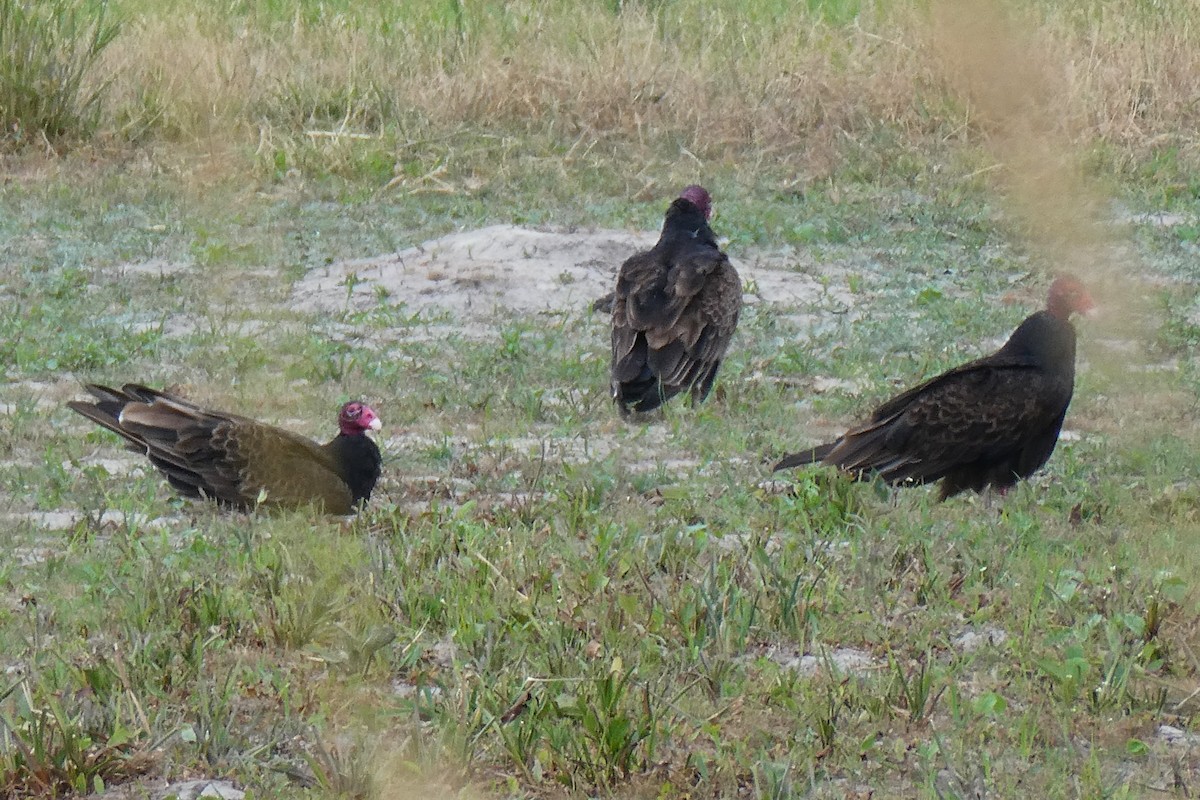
point(485, 276)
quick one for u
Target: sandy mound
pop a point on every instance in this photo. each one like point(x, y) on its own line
point(492, 272)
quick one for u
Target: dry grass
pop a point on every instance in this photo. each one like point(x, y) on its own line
point(720, 79)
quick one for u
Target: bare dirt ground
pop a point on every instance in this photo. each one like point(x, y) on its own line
point(479, 280)
point(476, 281)
point(485, 276)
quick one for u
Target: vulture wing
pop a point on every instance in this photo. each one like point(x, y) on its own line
point(979, 424)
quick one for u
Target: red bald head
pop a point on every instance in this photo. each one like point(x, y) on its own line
point(1068, 296)
point(356, 418)
point(698, 196)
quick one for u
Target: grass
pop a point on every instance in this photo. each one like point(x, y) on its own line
point(543, 601)
point(52, 53)
point(558, 625)
point(541, 623)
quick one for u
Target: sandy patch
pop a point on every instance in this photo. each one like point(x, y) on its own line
point(67, 520)
point(162, 789)
point(488, 275)
point(155, 267)
point(38, 394)
point(839, 661)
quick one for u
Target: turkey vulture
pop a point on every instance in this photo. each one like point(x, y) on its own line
point(674, 310)
point(990, 422)
point(237, 461)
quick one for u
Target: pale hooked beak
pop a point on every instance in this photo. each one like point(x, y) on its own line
point(376, 424)
point(1090, 309)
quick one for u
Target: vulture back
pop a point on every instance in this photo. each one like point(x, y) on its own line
point(674, 311)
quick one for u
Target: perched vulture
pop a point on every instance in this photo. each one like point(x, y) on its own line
point(674, 310)
point(237, 461)
point(990, 422)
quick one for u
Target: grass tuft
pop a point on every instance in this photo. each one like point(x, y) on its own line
point(50, 60)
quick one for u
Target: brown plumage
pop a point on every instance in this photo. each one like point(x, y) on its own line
point(674, 310)
point(237, 461)
point(990, 422)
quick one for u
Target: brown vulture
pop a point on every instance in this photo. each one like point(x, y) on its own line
point(239, 462)
point(674, 310)
point(990, 422)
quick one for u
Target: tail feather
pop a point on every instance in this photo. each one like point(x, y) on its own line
point(107, 415)
point(640, 396)
point(175, 435)
point(811, 456)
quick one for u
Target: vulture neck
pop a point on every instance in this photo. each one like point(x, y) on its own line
point(357, 459)
point(1044, 340)
point(684, 222)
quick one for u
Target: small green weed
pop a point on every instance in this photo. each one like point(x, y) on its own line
point(48, 746)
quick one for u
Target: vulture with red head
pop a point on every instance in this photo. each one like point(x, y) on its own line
point(990, 422)
point(674, 311)
point(239, 462)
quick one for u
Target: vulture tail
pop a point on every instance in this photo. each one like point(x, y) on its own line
point(810, 456)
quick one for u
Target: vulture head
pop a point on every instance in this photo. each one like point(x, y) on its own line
point(357, 418)
point(1069, 296)
point(700, 198)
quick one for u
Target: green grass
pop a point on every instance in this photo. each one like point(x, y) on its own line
point(517, 616)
